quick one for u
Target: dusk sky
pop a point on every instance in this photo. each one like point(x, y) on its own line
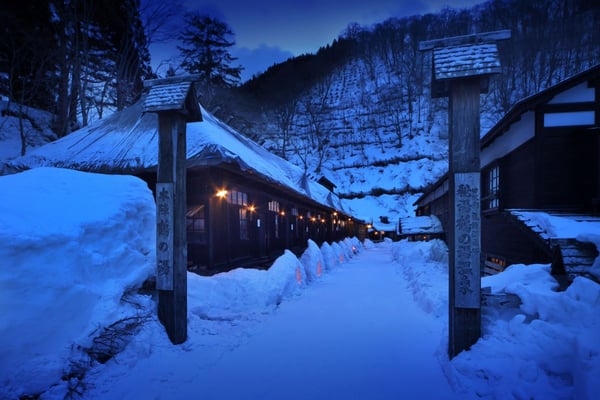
point(271, 31)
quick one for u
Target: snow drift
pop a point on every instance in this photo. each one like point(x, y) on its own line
point(71, 243)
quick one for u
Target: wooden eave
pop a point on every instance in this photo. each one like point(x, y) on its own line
point(529, 103)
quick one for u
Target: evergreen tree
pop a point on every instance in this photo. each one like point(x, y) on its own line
point(205, 43)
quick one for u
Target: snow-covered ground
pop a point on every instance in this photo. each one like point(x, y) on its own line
point(347, 320)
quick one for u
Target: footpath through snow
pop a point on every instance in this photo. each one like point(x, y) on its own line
point(355, 334)
point(346, 320)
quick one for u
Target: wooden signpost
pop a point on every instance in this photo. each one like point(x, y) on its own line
point(461, 69)
point(174, 100)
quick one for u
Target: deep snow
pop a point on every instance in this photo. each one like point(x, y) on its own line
point(346, 320)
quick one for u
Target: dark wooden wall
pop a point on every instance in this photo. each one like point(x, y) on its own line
point(270, 232)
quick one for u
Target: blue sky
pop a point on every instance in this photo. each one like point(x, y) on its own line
point(271, 31)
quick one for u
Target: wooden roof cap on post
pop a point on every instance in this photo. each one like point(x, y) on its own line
point(464, 56)
point(173, 94)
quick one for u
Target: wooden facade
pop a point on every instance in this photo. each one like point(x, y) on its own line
point(237, 219)
point(544, 154)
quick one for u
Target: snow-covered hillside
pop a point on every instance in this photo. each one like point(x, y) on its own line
point(17, 121)
point(362, 129)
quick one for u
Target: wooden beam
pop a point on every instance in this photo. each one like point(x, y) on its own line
point(466, 39)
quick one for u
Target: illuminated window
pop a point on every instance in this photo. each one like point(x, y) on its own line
point(244, 217)
point(239, 198)
point(274, 206)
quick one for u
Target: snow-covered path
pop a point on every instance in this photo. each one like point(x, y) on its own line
point(358, 335)
point(355, 334)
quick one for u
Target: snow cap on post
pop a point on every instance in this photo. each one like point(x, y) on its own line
point(173, 94)
point(463, 56)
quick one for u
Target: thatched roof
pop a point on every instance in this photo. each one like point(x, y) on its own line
point(126, 142)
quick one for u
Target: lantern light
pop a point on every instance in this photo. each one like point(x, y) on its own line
point(222, 193)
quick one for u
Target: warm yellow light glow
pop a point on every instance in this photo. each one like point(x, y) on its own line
point(251, 208)
point(335, 214)
point(282, 213)
point(300, 217)
point(369, 226)
point(313, 219)
point(323, 220)
point(222, 193)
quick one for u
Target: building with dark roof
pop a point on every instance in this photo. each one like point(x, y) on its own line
point(543, 155)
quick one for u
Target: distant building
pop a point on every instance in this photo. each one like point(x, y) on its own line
point(544, 156)
point(420, 228)
point(245, 205)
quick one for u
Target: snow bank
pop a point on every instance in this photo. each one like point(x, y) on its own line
point(242, 292)
point(546, 348)
point(71, 243)
point(425, 267)
point(234, 294)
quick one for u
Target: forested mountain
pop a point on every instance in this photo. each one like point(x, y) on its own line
point(72, 58)
point(360, 112)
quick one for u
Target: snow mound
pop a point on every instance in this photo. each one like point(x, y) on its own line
point(71, 243)
point(546, 348)
point(242, 291)
point(423, 264)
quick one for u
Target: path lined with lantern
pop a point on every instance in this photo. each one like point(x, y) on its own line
point(357, 333)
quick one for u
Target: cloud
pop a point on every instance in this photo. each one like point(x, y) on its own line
point(256, 61)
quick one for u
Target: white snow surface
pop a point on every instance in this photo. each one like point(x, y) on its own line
point(345, 320)
point(71, 244)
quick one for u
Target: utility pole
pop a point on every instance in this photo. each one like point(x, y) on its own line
point(174, 100)
point(461, 69)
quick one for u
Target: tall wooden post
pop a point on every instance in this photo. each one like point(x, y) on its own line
point(461, 69)
point(175, 102)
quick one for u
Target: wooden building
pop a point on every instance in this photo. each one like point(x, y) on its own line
point(543, 155)
point(245, 205)
point(421, 228)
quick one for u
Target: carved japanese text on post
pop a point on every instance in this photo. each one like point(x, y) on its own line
point(466, 240)
point(164, 236)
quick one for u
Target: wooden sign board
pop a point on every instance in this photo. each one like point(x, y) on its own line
point(467, 241)
point(164, 236)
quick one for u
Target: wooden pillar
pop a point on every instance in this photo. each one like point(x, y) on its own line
point(465, 221)
point(461, 69)
point(171, 231)
point(174, 100)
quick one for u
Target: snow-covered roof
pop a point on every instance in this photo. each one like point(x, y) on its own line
point(556, 225)
point(420, 225)
point(167, 97)
point(466, 60)
point(127, 142)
